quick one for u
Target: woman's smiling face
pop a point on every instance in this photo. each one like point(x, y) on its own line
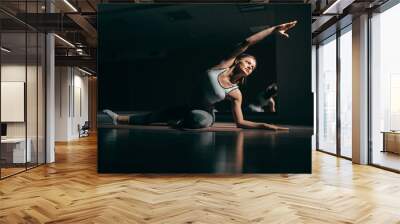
point(246, 65)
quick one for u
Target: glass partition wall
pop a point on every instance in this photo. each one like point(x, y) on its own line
point(22, 88)
point(326, 60)
point(385, 89)
point(334, 90)
point(334, 93)
point(345, 93)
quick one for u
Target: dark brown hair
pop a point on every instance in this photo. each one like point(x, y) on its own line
point(242, 81)
point(244, 55)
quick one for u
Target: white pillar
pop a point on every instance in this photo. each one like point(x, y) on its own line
point(63, 101)
point(50, 93)
point(360, 90)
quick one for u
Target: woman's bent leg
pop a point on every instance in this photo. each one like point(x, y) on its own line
point(166, 115)
point(127, 119)
point(175, 113)
point(140, 119)
point(195, 119)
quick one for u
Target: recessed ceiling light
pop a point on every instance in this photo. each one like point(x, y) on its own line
point(84, 71)
point(65, 41)
point(337, 7)
point(5, 50)
point(70, 5)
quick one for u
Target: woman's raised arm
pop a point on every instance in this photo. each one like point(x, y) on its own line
point(253, 39)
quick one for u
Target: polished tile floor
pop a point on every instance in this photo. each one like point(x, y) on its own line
point(221, 149)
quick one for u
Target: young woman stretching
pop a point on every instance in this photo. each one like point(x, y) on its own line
point(219, 83)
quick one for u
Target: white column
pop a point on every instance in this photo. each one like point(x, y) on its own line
point(360, 90)
point(50, 92)
point(50, 99)
point(62, 103)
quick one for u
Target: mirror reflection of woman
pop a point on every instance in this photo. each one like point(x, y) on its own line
point(265, 101)
point(220, 83)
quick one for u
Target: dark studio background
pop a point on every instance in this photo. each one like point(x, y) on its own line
point(151, 56)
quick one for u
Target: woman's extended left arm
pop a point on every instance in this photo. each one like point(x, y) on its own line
point(236, 97)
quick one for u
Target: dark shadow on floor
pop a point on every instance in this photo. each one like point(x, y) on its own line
point(222, 149)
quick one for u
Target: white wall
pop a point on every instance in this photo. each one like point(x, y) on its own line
point(16, 72)
point(62, 81)
point(33, 126)
point(80, 112)
point(71, 102)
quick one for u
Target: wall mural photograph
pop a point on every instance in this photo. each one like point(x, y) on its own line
point(204, 88)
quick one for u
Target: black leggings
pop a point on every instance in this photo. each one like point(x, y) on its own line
point(187, 117)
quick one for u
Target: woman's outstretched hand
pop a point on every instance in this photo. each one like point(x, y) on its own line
point(274, 127)
point(283, 28)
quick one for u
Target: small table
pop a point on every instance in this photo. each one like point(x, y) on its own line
point(391, 141)
point(13, 150)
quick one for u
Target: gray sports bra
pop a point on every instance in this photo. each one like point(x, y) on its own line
point(214, 91)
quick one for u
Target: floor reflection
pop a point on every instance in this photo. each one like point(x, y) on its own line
point(173, 151)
